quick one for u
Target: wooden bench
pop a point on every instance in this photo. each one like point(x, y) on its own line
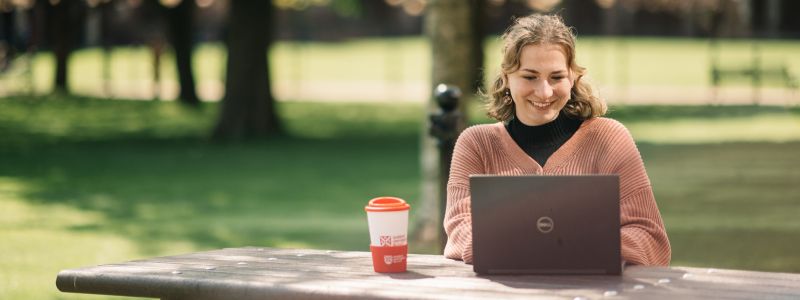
point(757, 72)
point(264, 273)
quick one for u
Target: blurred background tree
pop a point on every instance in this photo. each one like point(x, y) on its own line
point(248, 109)
point(454, 29)
point(86, 24)
point(66, 19)
point(180, 20)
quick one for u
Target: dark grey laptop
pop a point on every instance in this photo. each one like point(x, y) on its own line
point(545, 224)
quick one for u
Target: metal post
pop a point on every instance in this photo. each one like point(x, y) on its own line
point(444, 127)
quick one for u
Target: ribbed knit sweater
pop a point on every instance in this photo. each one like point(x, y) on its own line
point(600, 146)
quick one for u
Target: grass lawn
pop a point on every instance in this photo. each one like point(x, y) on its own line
point(634, 62)
point(85, 181)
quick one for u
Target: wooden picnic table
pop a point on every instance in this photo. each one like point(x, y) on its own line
point(266, 273)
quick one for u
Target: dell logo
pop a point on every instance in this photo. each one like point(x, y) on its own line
point(545, 224)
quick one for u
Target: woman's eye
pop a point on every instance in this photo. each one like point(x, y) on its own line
point(529, 77)
point(558, 77)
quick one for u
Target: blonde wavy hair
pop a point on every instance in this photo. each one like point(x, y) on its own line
point(537, 30)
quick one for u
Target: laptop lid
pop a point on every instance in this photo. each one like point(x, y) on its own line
point(535, 224)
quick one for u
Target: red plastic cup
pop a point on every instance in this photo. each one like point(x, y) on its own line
point(388, 233)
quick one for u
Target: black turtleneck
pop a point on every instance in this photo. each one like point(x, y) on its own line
point(541, 141)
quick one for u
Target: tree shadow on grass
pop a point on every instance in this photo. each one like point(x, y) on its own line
point(149, 171)
point(282, 192)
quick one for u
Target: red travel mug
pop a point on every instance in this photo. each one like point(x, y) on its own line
point(388, 233)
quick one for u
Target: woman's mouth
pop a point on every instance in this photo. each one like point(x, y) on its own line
point(541, 105)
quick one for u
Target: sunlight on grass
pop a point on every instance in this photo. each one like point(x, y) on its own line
point(396, 59)
point(760, 128)
point(38, 242)
point(16, 214)
point(611, 62)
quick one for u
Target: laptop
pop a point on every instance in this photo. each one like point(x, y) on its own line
point(536, 224)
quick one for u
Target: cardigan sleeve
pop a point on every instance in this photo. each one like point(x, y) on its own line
point(458, 216)
point(643, 237)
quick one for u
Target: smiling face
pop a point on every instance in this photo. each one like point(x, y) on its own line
point(541, 86)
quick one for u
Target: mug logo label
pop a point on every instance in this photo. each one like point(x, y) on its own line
point(393, 259)
point(386, 240)
point(545, 224)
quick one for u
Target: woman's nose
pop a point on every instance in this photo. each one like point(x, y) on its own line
point(544, 91)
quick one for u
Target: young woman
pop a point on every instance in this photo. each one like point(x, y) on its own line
point(551, 124)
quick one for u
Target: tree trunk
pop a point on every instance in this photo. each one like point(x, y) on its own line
point(106, 44)
point(65, 18)
point(180, 20)
point(449, 26)
point(479, 19)
point(248, 109)
point(9, 36)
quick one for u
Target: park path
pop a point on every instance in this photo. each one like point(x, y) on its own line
point(381, 91)
point(662, 95)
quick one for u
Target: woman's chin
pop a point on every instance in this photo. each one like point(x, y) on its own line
point(539, 117)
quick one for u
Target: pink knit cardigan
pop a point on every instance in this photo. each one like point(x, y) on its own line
point(600, 146)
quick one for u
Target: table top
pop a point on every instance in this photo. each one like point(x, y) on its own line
point(261, 273)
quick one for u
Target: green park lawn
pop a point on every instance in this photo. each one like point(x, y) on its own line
point(636, 62)
point(89, 181)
